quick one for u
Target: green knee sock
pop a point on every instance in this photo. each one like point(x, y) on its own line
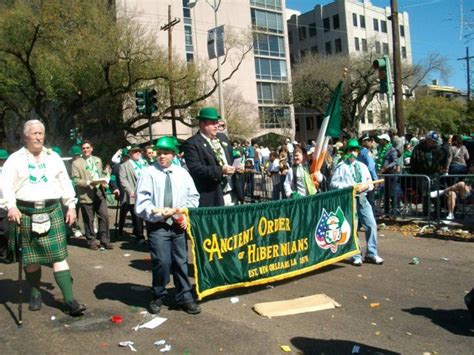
point(64, 281)
point(34, 279)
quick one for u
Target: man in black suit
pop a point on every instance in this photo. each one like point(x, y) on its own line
point(208, 156)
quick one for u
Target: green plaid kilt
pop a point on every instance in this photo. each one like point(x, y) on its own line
point(40, 249)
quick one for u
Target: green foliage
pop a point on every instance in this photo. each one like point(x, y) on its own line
point(437, 113)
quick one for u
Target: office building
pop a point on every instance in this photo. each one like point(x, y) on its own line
point(264, 73)
point(346, 27)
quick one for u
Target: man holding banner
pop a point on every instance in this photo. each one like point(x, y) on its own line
point(162, 189)
point(351, 172)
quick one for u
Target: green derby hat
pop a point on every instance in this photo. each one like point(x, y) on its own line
point(352, 144)
point(208, 114)
point(133, 148)
point(3, 154)
point(168, 143)
point(56, 149)
point(75, 150)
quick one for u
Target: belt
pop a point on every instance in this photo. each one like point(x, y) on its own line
point(37, 204)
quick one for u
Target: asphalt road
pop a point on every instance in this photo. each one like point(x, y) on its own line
point(421, 307)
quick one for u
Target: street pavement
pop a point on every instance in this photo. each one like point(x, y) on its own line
point(421, 307)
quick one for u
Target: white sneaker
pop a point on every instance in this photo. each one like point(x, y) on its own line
point(374, 260)
point(434, 194)
point(357, 262)
point(450, 217)
point(77, 233)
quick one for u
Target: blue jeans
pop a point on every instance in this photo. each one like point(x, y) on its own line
point(365, 216)
point(168, 255)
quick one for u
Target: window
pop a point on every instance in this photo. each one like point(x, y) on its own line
point(302, 32)
point(362, 21)
point(326, 25)
point(189, 57)
point(383, 26)
point(297, 125)
point(402, 31)
point(310, 123)
point(312, 29)
point(290, 37)
point(385, 48)
point(370, 116)
point(274, 117)
point(354, 20)
point(335, 22)
point(356, 43)
point(269, 93)
point(364, 45)
point(328, 48)
point(362, 119)
point(314, 49)
point(267, 4)
point(338, 45)
point(377, 47)
point(404, 52)
point(376, 25)
point(269, 45)
point(267, 21)
point(381, 96)
point(270, 69)
point(188, 36)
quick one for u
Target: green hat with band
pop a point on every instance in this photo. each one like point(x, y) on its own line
point(75, 150)
point(168, 143)
point(133, 148)
point(3, 154)
point(208, 114)
point(56, 149)
point(352, 144)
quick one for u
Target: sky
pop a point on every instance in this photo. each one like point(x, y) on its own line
point(435, 26)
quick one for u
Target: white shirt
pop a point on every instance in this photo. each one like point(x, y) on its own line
point(344, 175)
point(3, 203)
point(17, 184)
point(151, 191)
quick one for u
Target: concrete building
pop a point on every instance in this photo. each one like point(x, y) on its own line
point(448, 92)
point(264, 74)
point(346, 27)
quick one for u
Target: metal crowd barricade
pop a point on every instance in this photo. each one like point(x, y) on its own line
point(464, 202)
point(404, 195)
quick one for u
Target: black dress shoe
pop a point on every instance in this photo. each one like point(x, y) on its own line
point(191, 308)
point(155, 306)
point(75, 309)
point(35, 302)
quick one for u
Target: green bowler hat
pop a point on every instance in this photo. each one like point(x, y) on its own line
point(133, 148)
point(75, 150)
point(4, 154)
point(56, 149)
point(352, 144)
point(168, 143)
point(208, 114)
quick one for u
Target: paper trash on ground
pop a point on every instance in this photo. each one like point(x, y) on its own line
point(152, 324)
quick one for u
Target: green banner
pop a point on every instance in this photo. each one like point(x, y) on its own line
point(247, 245)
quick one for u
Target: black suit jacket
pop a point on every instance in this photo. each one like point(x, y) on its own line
point(205, 169)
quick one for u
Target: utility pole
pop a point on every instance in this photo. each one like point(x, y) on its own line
point(397, 69)
point(169, 27)
point(468, 60)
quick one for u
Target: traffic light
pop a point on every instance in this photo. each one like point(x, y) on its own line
point(141, 101)
point(73, 133)
point(151, 101)
point(382, 65)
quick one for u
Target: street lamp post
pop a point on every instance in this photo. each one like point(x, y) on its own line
point(215, 7)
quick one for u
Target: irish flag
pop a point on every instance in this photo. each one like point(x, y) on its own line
point(331, 127)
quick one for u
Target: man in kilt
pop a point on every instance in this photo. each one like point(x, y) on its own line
point(35, 183)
